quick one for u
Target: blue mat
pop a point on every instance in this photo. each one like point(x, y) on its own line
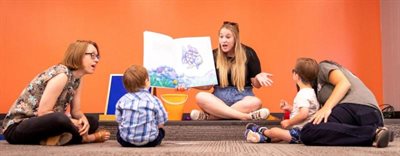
point(1, 137)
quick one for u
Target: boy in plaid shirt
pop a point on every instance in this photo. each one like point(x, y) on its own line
point(140, 115)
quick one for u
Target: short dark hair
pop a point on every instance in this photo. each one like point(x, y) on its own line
point(307, 69)
point(135, 78)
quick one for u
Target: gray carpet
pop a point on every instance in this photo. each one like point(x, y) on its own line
point(185, 148)
point(187, 138)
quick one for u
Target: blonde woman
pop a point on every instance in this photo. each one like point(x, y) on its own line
point(39, 114)
point(238, 71)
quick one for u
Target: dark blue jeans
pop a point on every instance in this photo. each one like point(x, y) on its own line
point(154, 143)
point(348, 125)
point(35, 129)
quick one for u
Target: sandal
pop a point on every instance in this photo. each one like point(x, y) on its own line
point(382, 137)
point(101, 135)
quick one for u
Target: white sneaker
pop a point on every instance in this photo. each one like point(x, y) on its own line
point(198, 115)
point(260, 114)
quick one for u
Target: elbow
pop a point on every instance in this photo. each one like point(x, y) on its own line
point(346, 84)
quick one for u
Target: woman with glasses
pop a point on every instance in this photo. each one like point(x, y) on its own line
point(238, 71)
point(39, 114)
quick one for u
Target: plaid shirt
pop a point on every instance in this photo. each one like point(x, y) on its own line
point(138, 116)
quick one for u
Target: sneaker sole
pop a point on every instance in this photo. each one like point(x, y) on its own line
point(246, 136)
point(382, 138)
point(58, 140)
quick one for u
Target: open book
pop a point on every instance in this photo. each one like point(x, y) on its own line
point(183, 61)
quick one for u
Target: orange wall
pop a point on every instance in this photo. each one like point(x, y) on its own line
point(35, 34)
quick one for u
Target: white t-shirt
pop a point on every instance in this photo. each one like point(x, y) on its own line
point(305, 98)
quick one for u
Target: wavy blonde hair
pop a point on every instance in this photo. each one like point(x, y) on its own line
point(237, 67)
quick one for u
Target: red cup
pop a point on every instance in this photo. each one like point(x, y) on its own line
point(286, 115)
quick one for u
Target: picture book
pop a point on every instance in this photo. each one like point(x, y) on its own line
point(185, 61)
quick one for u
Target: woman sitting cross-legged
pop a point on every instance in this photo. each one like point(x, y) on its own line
point(39, 114)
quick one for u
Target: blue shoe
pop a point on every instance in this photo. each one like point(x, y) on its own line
point(255, 137)
point(255, 128)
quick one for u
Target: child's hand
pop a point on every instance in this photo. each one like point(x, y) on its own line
point(285, 124)
point(285, 106)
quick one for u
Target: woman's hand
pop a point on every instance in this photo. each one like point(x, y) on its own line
point(321, 115)
point(76, 123)
point(264, 79)
point(85, 126)
point(342, 86)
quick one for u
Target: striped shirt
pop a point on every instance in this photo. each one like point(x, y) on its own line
point(138, 116)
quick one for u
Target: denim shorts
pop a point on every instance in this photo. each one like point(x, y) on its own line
point(230, 95)
point(295, 133)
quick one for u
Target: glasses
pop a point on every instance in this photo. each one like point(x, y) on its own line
point(93, 55)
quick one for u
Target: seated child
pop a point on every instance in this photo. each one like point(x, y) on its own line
point(140, 115)
point(305, 104)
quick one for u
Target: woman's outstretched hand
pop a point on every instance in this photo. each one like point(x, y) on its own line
point(264, 79)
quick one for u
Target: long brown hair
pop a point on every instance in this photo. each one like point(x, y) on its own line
point(237, 66)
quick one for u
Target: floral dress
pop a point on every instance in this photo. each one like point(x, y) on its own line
point(26, 106)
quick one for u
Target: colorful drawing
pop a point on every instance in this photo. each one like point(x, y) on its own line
point(191, 57)
point(163, 76)
point(170, 62)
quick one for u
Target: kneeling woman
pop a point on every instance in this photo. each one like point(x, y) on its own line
point(350, 115)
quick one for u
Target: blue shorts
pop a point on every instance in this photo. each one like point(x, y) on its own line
point(295, 133)
point(230, 95)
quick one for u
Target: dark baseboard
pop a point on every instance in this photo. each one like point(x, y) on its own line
point(186, 116)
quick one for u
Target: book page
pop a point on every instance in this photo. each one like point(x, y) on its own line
point(196, 61)
point(157, 48)
point(185, 61)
